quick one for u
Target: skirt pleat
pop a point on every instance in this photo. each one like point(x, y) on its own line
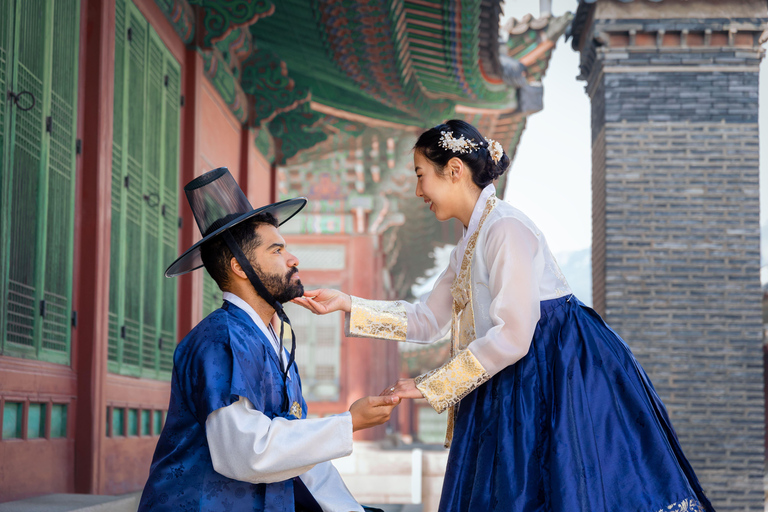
point(575, 425)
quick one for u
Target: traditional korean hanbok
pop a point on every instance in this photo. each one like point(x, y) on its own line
point(548, 408)
point(228, 444)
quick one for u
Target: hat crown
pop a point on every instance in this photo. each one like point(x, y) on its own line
point(216, 199)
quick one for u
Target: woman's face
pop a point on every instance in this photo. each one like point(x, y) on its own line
point(435, 190)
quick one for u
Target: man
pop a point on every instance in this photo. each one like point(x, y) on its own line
point(237, 436)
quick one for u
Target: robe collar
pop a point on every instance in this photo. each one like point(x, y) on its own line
point(268, 332)
point(474, 221)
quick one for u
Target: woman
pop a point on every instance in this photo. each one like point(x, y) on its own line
point(548, 408)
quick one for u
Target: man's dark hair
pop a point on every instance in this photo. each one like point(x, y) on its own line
point(216, 255)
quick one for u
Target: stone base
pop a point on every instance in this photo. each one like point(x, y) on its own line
point(74, 503)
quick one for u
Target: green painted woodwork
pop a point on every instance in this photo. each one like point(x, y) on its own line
point(295, 130)
point(37, 183)
point(145, 170)
point(118, 421)
point(211, 295)
point(133, 422)
point(179, 14)
point(158, 422)
point(219, 18)
point(146, 421)
point(36, 421)
point(265, 77)
point(58, 421)
point(12, 413)
point(220, 75)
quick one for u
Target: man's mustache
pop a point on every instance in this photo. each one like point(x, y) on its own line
point(294, 270)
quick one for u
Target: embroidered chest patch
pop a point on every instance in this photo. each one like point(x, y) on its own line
point(296, 410)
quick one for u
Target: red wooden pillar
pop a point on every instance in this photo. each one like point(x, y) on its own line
point(93, 217)
point(245, 178)
point(191, 284)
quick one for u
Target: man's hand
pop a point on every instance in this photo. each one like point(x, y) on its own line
point(403, 388)
point(371, 411)
point(323, 301)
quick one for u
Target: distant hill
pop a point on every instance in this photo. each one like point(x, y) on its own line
point(577, 267)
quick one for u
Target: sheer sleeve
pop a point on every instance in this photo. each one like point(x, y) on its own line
point(424, 322)
point(515, 265)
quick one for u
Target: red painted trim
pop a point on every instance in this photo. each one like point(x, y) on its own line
point(190, 285)
point(93, 218)
point(245, 167)
point(272, 182)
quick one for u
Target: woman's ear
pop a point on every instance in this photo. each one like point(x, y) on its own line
point(455, 168)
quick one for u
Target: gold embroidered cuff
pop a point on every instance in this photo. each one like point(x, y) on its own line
point(382, 319)
point(445, 386)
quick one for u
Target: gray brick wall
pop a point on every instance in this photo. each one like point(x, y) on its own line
point(676, 255)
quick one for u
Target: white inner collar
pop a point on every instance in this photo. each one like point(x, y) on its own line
point(268, 331)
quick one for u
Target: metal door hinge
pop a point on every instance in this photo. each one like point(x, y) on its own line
point(42, 308)
point(182, 100)
point(165, 81)
point(79, 146)
point(130, 34)
point(74, 318)
point(181, 222)
point(122, 331)
point(127, 182)
point(160, 343)
point(49, 124)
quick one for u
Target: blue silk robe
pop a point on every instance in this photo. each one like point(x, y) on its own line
point(223, 358)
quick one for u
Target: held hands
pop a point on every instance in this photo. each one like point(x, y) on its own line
point(371, 411)
point(324, 300)
point(404, 388)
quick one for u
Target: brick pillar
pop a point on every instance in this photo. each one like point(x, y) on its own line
point(676, 242)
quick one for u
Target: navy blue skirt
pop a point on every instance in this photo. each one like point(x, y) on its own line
point(575, 425)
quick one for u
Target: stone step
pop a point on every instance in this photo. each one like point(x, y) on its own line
point(74, 503)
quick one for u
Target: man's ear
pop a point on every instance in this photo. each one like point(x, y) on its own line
point(236, 269)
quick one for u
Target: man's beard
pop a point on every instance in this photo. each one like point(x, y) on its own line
point(282, 288)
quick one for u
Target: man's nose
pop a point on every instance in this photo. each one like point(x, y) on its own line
point(293, 261)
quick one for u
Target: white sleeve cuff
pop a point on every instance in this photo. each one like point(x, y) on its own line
point(246, 445)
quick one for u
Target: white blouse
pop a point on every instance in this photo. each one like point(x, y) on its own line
point(512, 271)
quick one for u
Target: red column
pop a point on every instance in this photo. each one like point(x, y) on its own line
point(93, 216)
point(245, 178)
point(190, 285)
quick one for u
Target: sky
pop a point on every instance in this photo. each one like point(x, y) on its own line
point(550, 176)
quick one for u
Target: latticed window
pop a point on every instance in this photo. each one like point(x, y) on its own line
point(318, 352)
point(39, 42)
point(211, 294)
point(145, 170)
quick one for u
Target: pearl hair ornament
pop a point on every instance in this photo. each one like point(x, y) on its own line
point(462, 145)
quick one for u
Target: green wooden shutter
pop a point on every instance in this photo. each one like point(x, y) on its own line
point(170, 202)
point(211, 295)
point(61, 182)
point(38, 190)
point(116, 273)
point(134, 206)
point(6, 43)
point(27, 185)
point(152, 217)
point(145, 206)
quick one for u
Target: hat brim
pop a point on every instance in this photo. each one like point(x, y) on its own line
point(191, 259)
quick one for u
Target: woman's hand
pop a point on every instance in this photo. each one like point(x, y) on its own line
point(323, 301)
point(404, 388)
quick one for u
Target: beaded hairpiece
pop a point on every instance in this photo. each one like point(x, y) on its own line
point(462, 145)
point(495, 149)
